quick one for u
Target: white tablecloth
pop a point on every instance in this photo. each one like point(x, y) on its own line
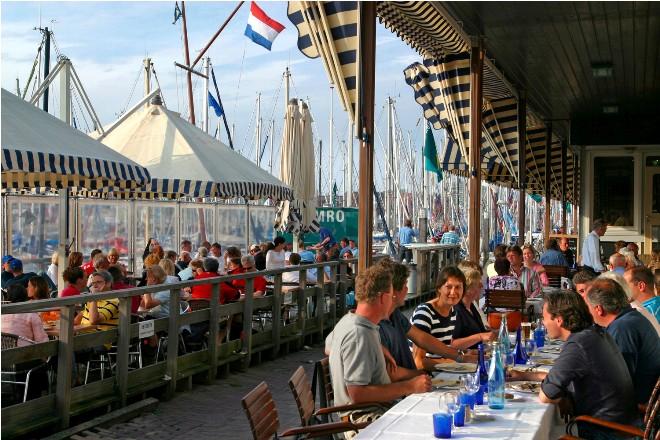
point(412, 419)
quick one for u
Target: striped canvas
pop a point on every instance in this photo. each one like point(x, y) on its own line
point(330, 30)
point(500, 134)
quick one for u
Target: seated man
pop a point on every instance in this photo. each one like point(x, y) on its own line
point(451, 236)
point(357, 363)
point(248, 263)
point(210, 270)
point(635, 336)
point(503, 281)
point(553, 255)
point(99, 312)
point(18, 276)
point(590, 371)
point(294, 276)
point(395, 330)
point(642, 284)
point(617, 263)
point(582, 282)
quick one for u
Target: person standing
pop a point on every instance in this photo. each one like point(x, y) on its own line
point(591, 260)
point(406, 235)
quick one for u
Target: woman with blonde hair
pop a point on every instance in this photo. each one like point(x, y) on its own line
point(113, 259)
point(469, 329)
point(168, 266)
point(529, 261)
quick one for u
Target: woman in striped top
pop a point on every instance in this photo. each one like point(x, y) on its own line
point(437, 317)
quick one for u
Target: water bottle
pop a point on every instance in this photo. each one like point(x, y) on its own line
point(503, 340)
point(520, 356)
point(539, 334)
point(496, 379)
point(483, 376)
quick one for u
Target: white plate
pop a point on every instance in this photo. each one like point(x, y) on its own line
point(457, 367)
point(525, 386)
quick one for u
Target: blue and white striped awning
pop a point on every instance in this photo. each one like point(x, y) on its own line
point(40, 151)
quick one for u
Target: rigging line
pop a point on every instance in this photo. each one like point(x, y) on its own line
point(34, 65)
point(178, 99)
point(76, 98)
point(251, 120)
point(162, 97)
point(240, 76)
point(130, 96)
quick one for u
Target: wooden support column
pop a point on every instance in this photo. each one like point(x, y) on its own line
point(476, 97)
point(548, 192)
point(522, 168)
point(367, 74)
point(564, 171)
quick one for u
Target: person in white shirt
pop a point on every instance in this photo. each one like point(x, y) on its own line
point(591, 248)
point(275, 257)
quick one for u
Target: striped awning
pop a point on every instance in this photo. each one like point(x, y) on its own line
point(500, 136)
point(329, 30)
point(40, 151)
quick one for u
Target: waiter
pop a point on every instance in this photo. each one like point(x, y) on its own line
point(591, 248)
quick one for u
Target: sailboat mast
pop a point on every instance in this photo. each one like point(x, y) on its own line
point(258, 135)
point(272, 136)
point(147, 78)
point(350, 164)
point(390, 163)
point(205, 96)
point(191, 103)
point(330, 139)
point(287, 75)
point(46, 66)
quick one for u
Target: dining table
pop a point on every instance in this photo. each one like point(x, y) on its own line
point(523, 417)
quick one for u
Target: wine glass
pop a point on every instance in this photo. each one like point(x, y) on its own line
point(450, 403)
point(470, 383)
point(530, 348)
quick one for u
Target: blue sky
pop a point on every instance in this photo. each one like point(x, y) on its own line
point(107, 41)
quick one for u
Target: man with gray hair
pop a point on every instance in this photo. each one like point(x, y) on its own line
point(634, 335)
point(617, 263)
point(591, 248)
point(99, 312)
point(357, 363)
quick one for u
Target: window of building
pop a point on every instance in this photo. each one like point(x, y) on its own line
point(614, 179)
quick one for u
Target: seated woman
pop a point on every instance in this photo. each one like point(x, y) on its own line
point(469, 329)
point(158, 304)
point(438, 316)
point(113, 259)
point(27, 326)
point(529, 260)
point(37, 289)
point(529, 278)
point(248, 263)
point(503, 280)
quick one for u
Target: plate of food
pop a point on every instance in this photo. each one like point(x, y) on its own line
point(439, 382)
point(457, 367)
point(543, 361)
point(525, 387)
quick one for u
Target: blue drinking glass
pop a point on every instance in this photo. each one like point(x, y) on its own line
point(459, 415)
point(442, 425)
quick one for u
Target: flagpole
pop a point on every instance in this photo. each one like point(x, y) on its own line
point(205, 97)
point(203, 51)
point(331, 162)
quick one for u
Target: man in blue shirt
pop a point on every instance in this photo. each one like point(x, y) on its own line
point(406, 235)
point(641, 282)
point(634, 335)
point(552, 255)
point(451, 236)
point(327, 239)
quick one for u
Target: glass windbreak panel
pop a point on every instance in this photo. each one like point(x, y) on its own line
point(655, 238)
point(34, 232)
point(614, 190)
point(197, 228)
point(262, 220)
point(231, 226)
point(157, 222)
point(104, 226)
point(655, 195)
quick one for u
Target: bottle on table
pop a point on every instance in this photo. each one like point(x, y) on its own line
point(496, 379)
point(504, 341)
point(483, 376)
point(520, 355)
point(539, 334)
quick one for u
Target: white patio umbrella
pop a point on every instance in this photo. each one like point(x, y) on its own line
point(297, 171)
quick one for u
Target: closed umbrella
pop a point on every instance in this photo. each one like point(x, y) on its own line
point(297, 171)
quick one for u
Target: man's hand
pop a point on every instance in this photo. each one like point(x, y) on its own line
point(420, 384)
point(390, 362)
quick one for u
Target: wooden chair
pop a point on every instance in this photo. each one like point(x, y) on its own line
point(264, 421)
point(554, 274)
point(651, 420)
point(511, 300)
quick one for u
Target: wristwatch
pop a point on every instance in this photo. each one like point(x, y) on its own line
point(459, 358)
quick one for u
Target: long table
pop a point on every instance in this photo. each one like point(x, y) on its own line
point(523, 418)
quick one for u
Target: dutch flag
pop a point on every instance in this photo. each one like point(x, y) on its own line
point(261, 28)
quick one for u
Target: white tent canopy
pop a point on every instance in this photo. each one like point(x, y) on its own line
point(40, 151)
point(185, 161)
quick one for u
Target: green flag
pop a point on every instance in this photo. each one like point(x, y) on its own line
point(334, 194)
point(536, 197)
point(431, 154)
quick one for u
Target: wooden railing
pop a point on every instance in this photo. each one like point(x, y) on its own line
point(56, 409)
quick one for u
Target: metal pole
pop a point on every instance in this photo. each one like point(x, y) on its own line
point(367, 67)
point(390, 158)
point(564, 169)
point(46, 67)
point(191, 103)
point(203, 51)
point(330, 139)
point(258, 134)
point(205, 96)
point(522, 169)
point(65, 92)
point(350, 163)
point(272, 136)
point(474, 223)
point(287, 75)
point(319, 191)
point(548, 195)
point(147, 77)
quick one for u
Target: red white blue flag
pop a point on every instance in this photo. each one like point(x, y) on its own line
point(261, 28)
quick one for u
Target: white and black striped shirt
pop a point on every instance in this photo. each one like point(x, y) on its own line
point(427, 319)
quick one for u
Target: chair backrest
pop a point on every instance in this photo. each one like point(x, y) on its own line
point(9, 341)
point(555, 273)
point(325, 381)
point(651, 416)
point(507, 299)
point(199, 304)
point(302, 393)
point(261, 412)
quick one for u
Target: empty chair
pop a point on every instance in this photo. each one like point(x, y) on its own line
point(264, 421)
point(555, 273)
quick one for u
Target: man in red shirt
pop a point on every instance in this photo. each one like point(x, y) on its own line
point(247, 261)
point(88, 267)
point(203, 291)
